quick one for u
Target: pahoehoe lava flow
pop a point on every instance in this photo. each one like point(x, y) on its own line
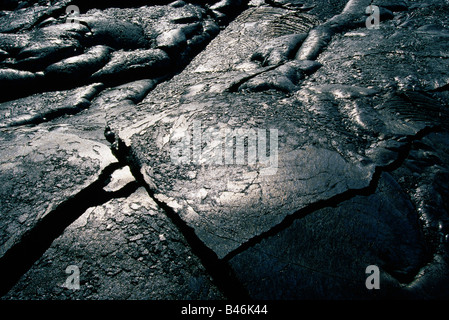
point(224, 149)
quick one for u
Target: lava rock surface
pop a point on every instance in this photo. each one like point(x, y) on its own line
point(212, 150)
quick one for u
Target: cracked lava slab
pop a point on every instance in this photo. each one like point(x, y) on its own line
point(290, 114)
point(331, 135)
point(41, 169)
point(126, 248)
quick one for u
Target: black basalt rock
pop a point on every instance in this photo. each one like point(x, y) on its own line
point(224, 149)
